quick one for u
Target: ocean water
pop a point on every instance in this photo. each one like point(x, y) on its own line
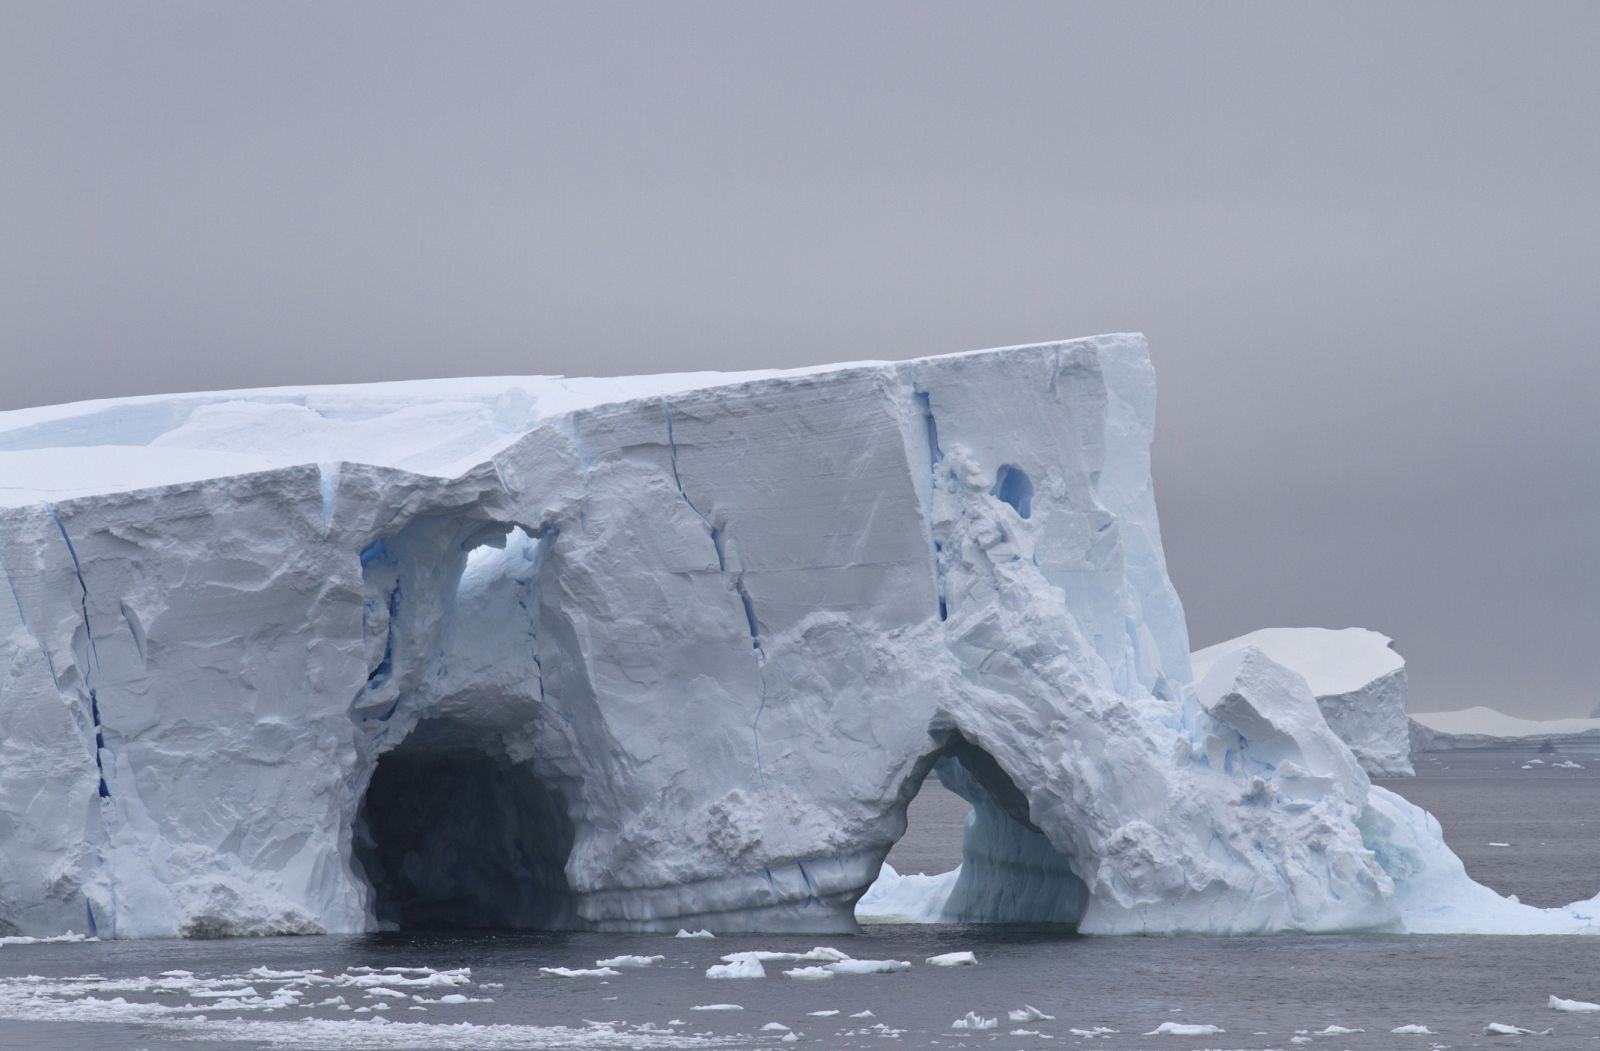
point(1262, 992)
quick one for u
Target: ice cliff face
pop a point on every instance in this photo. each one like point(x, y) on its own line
point(642, 654)
point(1359, 682)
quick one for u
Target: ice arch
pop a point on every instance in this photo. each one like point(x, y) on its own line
point(1010, 871)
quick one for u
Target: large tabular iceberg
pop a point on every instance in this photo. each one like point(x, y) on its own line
point(646, 654)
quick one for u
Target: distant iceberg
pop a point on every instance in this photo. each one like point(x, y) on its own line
point(1484, 727)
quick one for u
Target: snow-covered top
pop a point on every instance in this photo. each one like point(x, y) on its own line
point(438, 427)
point(1492, 723)
point(1332, 661)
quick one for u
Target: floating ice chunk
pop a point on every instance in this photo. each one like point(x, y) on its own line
point(896, 898)
point(790, 1038)
point(1104, 1032)
point(1412, 1030)
point(869, 966)
point(248, 990)
point(379, 990)
point(452, 998)
point(864, 1014)
point(693, 934)
point(24, 939)
point(823, 1014)
point(953, 959)
point(1024, 1032)
point(809, 974)
point(974, 1021)
point(1337, 1030)
point(1535, 762)
point(177, 974)
point(716, 1007)
point(1184, 1029)
point(629, 961)
point(1502, 1029)
point(1574, 1006)
point(1028, 1013)
point(1499, 844)
point(819, 954)
point(774, 1027)
point(1568, 765)
point(579, 972)
point(742, 967)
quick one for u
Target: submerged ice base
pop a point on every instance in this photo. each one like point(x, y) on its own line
point(646, 654)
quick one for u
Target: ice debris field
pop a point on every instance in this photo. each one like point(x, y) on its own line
point(420, 1006)
point(667, 652)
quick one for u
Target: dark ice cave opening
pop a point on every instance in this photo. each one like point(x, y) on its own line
point(451, 834)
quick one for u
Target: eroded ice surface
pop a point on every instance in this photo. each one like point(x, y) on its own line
point(646, 654)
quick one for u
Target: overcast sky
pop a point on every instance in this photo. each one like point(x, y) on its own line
point(1364, 240)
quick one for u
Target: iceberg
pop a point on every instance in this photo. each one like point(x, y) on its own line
point(652, 654)
point(1484, 727)
point(1359, 682)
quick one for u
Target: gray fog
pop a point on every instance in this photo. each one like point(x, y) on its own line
point(1364, 240)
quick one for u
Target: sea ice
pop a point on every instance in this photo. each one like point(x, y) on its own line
point(952, 959)
point(1412, 1030)
point(1184, 1029)
point(628, 961)
point(1573, 1006)
point(1029, 1013)
point(869, 966)
point(742, 967)
point(973, 1020)
point(579, 972)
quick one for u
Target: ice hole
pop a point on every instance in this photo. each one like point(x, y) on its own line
point(1013, 486)
point(451, 834)
point(1009, 871)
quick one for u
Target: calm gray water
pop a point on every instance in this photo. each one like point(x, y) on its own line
point(1263, 992)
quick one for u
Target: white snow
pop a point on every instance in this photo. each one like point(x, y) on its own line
point(952, 959)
